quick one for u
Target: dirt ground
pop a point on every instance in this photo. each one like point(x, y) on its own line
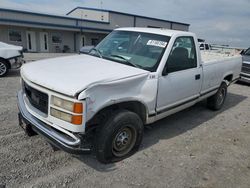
point(193, 148)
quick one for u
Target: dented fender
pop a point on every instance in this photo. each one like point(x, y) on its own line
point(141, 88)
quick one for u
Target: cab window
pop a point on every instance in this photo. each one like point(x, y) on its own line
point(182, 56)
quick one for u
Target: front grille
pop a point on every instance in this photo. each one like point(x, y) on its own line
point(37, 99)
point(245, 68)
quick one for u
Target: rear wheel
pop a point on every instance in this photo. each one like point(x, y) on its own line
point(3, 68)
point(216, 101)
point(119, 137)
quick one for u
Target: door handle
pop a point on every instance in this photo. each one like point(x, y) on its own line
point(197, 76)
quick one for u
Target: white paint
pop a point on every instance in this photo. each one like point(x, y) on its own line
point(72, 74)
point(8, 51)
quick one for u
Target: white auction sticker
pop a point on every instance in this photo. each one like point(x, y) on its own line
point(158, 43)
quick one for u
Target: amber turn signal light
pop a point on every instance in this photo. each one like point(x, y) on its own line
point(76, 119)
point(78, 108)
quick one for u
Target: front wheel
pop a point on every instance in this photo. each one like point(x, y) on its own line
point(119, 137)
point(3, 68)
point(216, 101)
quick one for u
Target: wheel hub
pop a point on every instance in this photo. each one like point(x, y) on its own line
point(221, 96)
point(122, 138)
point(124, 141)
point(3, 68)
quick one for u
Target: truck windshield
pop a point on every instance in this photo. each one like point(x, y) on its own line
point(138, 49)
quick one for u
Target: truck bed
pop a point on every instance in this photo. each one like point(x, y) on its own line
point(213, 56)
point(214, 69)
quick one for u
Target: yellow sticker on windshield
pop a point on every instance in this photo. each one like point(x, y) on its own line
point(158, 43)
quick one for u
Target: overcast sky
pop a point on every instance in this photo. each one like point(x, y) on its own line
point(217, 21)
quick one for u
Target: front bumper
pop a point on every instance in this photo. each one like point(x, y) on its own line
point(28, 122)
point(16, 62)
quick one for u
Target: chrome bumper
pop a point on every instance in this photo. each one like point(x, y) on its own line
point(59, 139)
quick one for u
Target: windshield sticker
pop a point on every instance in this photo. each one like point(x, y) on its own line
point(158, 43)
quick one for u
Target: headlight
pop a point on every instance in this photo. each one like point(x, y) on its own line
point(73, 113)
point(67, 105)
point(74, 119)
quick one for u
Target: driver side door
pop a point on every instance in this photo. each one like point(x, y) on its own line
point(181, 80)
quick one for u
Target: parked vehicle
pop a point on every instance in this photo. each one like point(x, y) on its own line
point(205, 46)
point(101, 101)
point(245, 71)
point(11, 57)
point(85, 49)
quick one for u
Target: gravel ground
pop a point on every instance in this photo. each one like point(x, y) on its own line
point(193, 148)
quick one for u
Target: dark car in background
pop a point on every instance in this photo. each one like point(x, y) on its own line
point(86, 49)
point(245, 71)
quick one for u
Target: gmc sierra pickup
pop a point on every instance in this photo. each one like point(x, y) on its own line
point(101, 101)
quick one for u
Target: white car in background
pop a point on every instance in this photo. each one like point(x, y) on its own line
point(86, 49)
point(11, 57)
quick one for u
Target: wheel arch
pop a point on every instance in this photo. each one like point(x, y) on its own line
point(6, 61)
point(135, 106)
point(228, 78)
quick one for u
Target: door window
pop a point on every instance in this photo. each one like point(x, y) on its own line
point(15, 36)
point(29, 41)
point(83, 41)
point(182, 55)
point(45, 42)
point(56, 38)
point(94, 41)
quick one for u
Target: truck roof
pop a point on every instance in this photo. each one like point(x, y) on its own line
point(160, 31)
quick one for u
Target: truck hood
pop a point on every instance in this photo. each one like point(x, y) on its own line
point(8, 51)
point(72, 74)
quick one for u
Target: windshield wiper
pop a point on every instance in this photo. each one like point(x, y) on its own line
point(98, 52)
point(127, 61)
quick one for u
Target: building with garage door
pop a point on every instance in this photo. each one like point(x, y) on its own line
point(38, 32)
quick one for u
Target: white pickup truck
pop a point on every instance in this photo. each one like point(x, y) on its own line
point(101, 101)
point(11, 57)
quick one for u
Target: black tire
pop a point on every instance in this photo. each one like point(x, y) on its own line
point(4, 69)
point(110, 137)
point(216, 101)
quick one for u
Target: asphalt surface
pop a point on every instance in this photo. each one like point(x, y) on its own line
point(193, 148)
